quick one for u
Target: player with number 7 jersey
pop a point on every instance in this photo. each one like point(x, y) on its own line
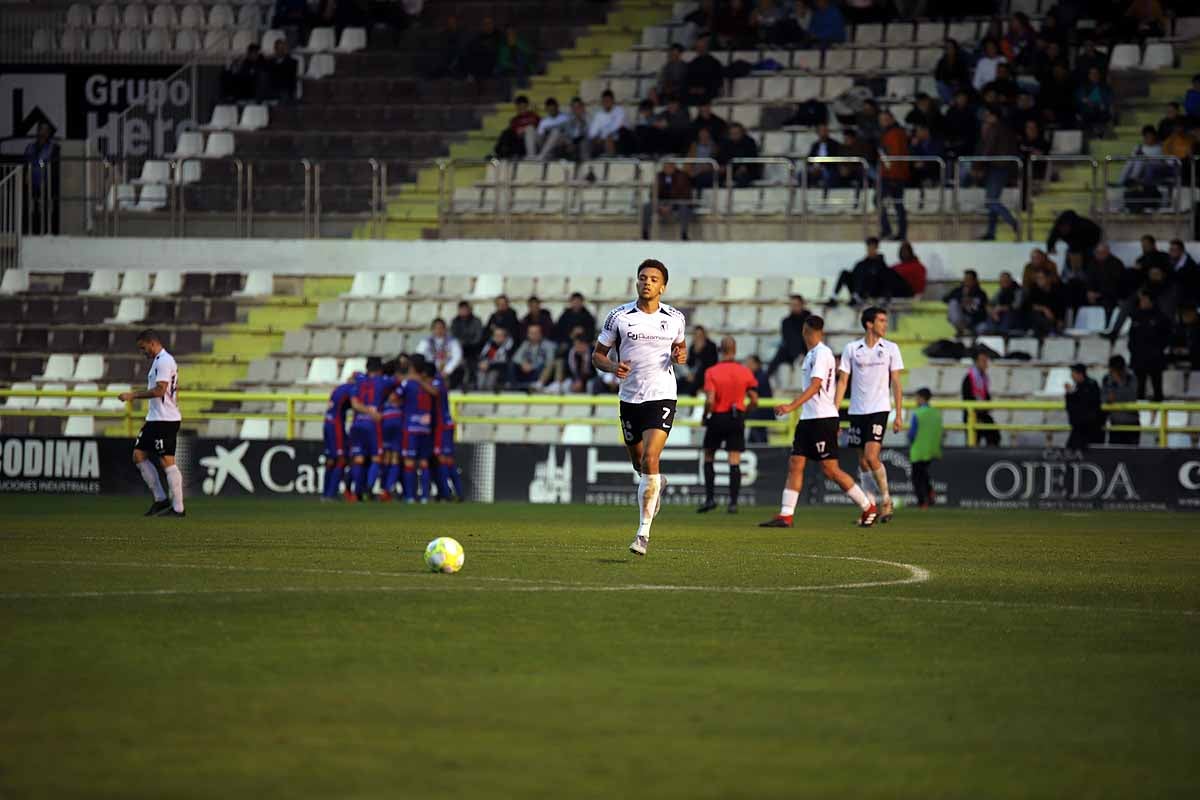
point(640, 343)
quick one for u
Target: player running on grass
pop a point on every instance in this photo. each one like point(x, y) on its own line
point(869, 364)
point(817, 431)
point(645, 336)
point(156, 439)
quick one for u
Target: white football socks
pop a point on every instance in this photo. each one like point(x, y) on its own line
point(882, 482)
point(867, 481)
point(856, 494)
point(788, 507)
point(648, 489)
point(175, 479)
point(150, 476)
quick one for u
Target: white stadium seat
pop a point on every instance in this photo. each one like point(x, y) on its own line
point(1123, 57)
point(219, 145)
point(254, 117)
point(224, 117)
point(89, 367)
point(352, 40)
point(59, 367)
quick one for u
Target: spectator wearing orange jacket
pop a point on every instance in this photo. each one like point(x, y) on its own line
point(893, 141)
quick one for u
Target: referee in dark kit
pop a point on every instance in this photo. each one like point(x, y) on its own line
point(728, 386)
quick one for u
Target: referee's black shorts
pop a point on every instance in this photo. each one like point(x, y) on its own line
point(726, 432)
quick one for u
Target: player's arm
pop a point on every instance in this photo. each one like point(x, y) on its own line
point(603, 363)
point(809, 394)
point(363, 408)
point(843, 383)
point(679, 352)
point(898, 400)
point(160, 390)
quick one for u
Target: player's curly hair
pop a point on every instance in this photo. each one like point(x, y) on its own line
point(651, 263)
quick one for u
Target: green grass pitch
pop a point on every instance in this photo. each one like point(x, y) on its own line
point(287, 649)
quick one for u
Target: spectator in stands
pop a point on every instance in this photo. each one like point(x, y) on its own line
point(985, 67)
point(791, 336)
point(855, 146)
point(704, 75)
point(675, 126)
point(733, 25)
point(468, 330)
point(763, 21)
point(703, 176)
point(503, 317)
point(1045, 308)
point(1151, 256)
point(869, 129)
point(1187, 339)
point(1162, 291)
point(1003, 85)
point(42, 157)
point(1181, 144)
point(862, 280)
point(704, 18)
point(764, 411)
point(453, 47)
point(1018, 41)
point(1104, 277)
point(607, 132)
point(240, 80)
point(481, 57)
point(1119, 386)
point(976, 385)
point(672, 78)
point(1185, 273)
point(280, 75)
point(1083, 410)
point(536, 315)
point(674, 200)
point(999, 142)
point(894, 175)
point(521, 132)
point(291, 17)
point(951, 73)
point(701, 355)
point(1167, 124)
point(1057, 99)
point(495, 361)
point(1034, 143)
point(1090, 58)
point(1080, 233)
point(1026, 110)
point(444, 352)
point(739, 145)
point(1191, 101)
point(925, 112)
point(1141, 178)
point(792, 28)
point(1046, 54)
point(826, 25)
point(575, 321)
point(966, 305)
point(514, 57)
point(571, 141)
point(961, 126)
point(579, 371)
point(541, 141)
point(1073, 279)
point(705, 118)
point(907, 278)
point(827, 176)
point(534, 365)
point(1149, 18)
point(1004, 310)
point(1093, 102)
point(648, 137)
point(1038, 261)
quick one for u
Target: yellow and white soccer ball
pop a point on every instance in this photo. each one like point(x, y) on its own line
point(444, 554)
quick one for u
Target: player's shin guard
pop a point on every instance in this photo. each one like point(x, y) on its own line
point(425, 484)
point(443, 481)
point(391, 478)
point(710, 482)
point(648, 489)
point(150, 476)
point(735, 483)
point(787, 508)
point(333, 476)
point(372, 476)
point(881, 481)
point(867, 481)
point(410, 483)
point(175, 480)
point(360, 479)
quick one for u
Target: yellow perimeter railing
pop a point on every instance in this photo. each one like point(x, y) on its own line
point(130, 414)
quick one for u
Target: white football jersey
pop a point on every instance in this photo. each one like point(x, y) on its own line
point(870, 371)
point(644, 340)
point(165, 408)
point(819, 363)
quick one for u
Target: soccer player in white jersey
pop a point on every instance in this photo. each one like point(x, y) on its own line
point(156, 439)
point(644, 338)
point(869, 365)
point(817, 431)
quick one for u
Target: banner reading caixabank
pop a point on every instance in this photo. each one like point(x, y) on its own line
point(1140, 479)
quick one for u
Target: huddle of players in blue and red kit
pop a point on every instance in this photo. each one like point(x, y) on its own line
point(402, 431)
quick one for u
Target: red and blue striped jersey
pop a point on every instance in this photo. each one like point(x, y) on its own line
point(373, 391)
point(445, 417)
point(418, 407)
point(339, 402)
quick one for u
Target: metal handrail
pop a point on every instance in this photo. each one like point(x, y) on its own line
point(865, 169)
point(1175, 187)
point(965, 162)
point(12, 217)
point(446, 169)
point(789, 182)
point(681, 161)
point(885, 159)
point(1050, 161)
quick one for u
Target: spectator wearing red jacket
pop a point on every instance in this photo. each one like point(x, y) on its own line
point(894, 175)
point(911, 270)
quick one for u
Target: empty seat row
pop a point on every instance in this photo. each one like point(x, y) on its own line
point(139, 310)
point(132, 282)
point(330, 342)
point(647, 63)
point(190, 16)
point(1157, 55)
point(102, 41)
point(78, 336)
point(224, 117)
point(323, 370)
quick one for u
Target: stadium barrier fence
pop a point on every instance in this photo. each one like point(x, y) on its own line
point(130, 414)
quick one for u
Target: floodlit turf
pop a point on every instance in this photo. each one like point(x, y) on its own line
point(285, 649)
